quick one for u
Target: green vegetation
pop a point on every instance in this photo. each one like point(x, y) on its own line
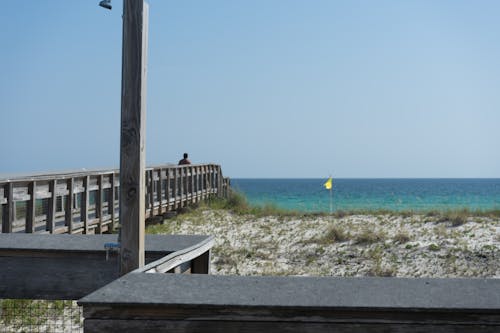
point(337, 233)
point(456, 218)
point(334, 234)
point(378, 269)
point(22, 313)
point(402, 237)
point(369, 236)
point(238, 203)
point(434, 247)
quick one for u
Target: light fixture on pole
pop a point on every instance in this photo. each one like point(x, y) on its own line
point(105, 4)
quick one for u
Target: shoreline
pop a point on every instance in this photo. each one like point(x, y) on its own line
point(451, 244)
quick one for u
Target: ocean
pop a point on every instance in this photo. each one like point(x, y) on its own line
point(309, 195)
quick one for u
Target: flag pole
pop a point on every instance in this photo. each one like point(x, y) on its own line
point(329, 186)
point(331, 201)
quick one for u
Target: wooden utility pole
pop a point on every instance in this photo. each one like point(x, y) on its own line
point(133, 134)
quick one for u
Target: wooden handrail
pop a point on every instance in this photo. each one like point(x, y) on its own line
point(87, 201)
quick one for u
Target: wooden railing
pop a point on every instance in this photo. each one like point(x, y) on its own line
point(56, 267)
point(88, 202)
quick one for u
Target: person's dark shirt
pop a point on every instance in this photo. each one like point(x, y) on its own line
point(184, 161)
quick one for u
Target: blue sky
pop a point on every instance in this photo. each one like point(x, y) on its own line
point(265, 88)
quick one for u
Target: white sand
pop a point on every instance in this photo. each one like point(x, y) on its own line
point(413, 246)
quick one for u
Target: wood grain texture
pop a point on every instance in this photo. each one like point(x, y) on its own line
point(66, 197)
point(215, 326)
point(8, 209)
point(133, 135)
point(100, 202)
point(47, 266)
point(69, 206)
point(160, 190)
point(111, 203)
point(295, 304)
point(84, 205)
point(201, 264)
point(52, 207)
point(31, 208)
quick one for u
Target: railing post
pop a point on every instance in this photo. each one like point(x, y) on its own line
point(198, 186)
point(68, 211)
point(212, 179)
point(151, 198)
point(98, 202)
point(52, 201)
point(201, 264)
point(159, 191)
point(168, 189)
point(31, 209)
point(182, 183)
point(8, 208)
point(202, 181)
point(220, 191)
point(193, 184)
point(84, 205)
point(176, 187)
point(111, 203)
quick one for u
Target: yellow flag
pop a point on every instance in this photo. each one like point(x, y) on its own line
point(328, 184)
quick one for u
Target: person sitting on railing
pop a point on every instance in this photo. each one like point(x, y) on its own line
point(185, 160)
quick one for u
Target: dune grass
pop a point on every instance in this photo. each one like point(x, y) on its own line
point(238, 203)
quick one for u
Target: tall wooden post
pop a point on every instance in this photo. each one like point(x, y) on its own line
point(133, 134)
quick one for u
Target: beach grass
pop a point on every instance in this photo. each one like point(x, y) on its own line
point(269, 240)
point(238, 203)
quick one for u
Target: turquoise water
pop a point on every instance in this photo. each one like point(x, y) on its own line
point(394, 194)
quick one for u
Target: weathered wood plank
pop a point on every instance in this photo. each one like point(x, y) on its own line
point(151, 193)
point(42, 190)
point(111, 203)
point(219, 182)
point(52, 203)
point(133, 134)
point(68, 218)
point(181, 185)
point(201, 264)
point(193, 184)
point(8, 209)
point(84, 205)
point(70, 266)
point(99, 203)
point(168, 189)
point(176, 187)
point(285, 303)
point(31, 208)
point(366, 295)
point(160, 191)
point(219, 326)
point(187, 254)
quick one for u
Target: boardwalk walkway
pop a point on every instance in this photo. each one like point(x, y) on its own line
point(87, 202)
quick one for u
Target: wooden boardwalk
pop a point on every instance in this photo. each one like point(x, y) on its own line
point(88, 202)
